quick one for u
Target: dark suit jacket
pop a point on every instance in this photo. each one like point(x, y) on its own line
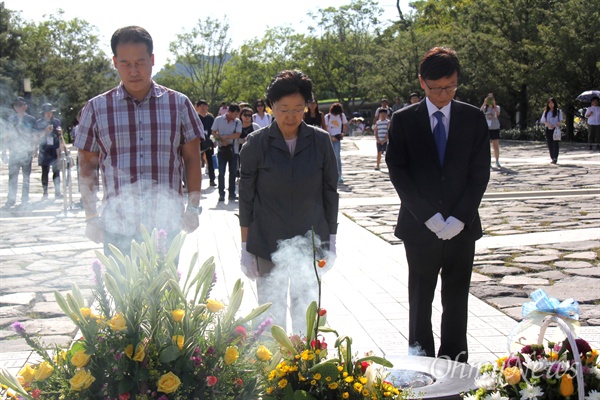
point(282, 197)
point(425, 187)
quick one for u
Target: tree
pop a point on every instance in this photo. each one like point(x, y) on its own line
point(12, 69)
point(340, 53)
point(200, 56)
point(252, 67)
point(64, 62)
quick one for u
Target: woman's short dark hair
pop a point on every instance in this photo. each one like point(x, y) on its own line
point(439, 62)
point(336, 109)
point(259, 101)
point(289, 82)
point(131, 34)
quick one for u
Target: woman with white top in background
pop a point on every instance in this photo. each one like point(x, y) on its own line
point(552, 117)
point(492, 112)
point(261, 116)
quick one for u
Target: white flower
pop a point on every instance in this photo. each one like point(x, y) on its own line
point(595, 371)
point(470, 397)
point(487, 381)
point(536, 366)
point(531, 392)
point(495, 396)
point(594, 395)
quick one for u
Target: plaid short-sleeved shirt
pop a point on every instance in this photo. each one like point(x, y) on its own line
point(139, 146)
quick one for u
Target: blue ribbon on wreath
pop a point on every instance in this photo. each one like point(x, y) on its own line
point(541, 303)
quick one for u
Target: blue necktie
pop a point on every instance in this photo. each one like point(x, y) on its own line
point(439, 135)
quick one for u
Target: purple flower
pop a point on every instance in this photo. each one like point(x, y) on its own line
point(582, 346)
point(263, 326)
point(210, 351)
point(163, 397)
point(18, 327)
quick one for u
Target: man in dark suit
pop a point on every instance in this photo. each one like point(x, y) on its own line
point(439, 159)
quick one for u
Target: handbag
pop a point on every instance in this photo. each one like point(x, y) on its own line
point(557, 133)
point(206, 144)
point(226, 152)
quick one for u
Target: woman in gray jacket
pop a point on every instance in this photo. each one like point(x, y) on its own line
point(288, 186)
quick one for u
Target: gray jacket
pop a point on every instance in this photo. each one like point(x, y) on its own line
point(283, 196)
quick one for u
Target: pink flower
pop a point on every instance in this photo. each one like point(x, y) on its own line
point(36, 393)
point(211, 380)
point(240, 332)
point(124, 396)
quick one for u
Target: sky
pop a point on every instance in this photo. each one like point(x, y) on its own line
point(165, 19)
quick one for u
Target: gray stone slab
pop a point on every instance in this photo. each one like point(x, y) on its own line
point(591, 272)
point(495, 270)
point(530, 267)
point(583, 255)
point(485, 291)
point(578, 246)
point(536, 259)
point(506, 302)
point(50, 326)
point(47, 309)
point(572, 264)
point(24, 298)
point(475, 277)
point(582, 289)
point(522, 280)
point(551, 275)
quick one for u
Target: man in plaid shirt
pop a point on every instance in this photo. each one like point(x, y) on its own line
point(141, 135)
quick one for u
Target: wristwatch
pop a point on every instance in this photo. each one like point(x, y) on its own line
point(195, 209)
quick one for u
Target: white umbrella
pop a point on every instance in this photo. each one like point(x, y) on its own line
point(586, 96)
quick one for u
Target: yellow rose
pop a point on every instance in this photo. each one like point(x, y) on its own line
point(140, 353)
point(168, 383)
point(28, 373)
point(179, 340)
point(178, 315)
point(60, 357)
point(263, 354)
point(214, 305)
point(566, 385)
point(43, 371)
point(231, 354)
point(118, 323)
point(512, 375)
point(80, 359)
point(129, 350)
point(86, 312)
point(500, 361)
point(82, 380)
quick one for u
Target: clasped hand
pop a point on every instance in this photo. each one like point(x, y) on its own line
point(248, 263)
point(444, 229)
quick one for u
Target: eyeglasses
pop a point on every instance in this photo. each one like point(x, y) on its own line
point(260, 105)
point(285, 112)
point(246, 115)
point(439, 90)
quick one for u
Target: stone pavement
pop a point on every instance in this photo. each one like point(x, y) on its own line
point(542, 229)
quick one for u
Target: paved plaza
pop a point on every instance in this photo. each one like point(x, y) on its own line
point(542, 230)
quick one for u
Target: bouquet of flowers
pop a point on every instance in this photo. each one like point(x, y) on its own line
point(147, 336)
point(540, 372)
point(300, 368)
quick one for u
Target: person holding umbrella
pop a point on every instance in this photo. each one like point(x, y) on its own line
point(593, 120)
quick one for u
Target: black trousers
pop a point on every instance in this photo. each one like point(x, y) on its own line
point(553, 145)
point(454, 260)
point(55, 177)
point(209, 163)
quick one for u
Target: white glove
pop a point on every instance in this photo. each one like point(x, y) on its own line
point(436, 223)
point(453, 228)
point(248, 263)
point(332, 247)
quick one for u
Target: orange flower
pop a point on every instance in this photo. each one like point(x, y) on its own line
point(322, 263)
point(566, 385)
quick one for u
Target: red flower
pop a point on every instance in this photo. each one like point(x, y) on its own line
point(238, 382)
point(36, 393)
point(322, 263)
point(211, 380)
point(363, 366)
point(318, 344)
point(322, 312)
point(583, 346)
point(124, 396)
point(241, 332)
